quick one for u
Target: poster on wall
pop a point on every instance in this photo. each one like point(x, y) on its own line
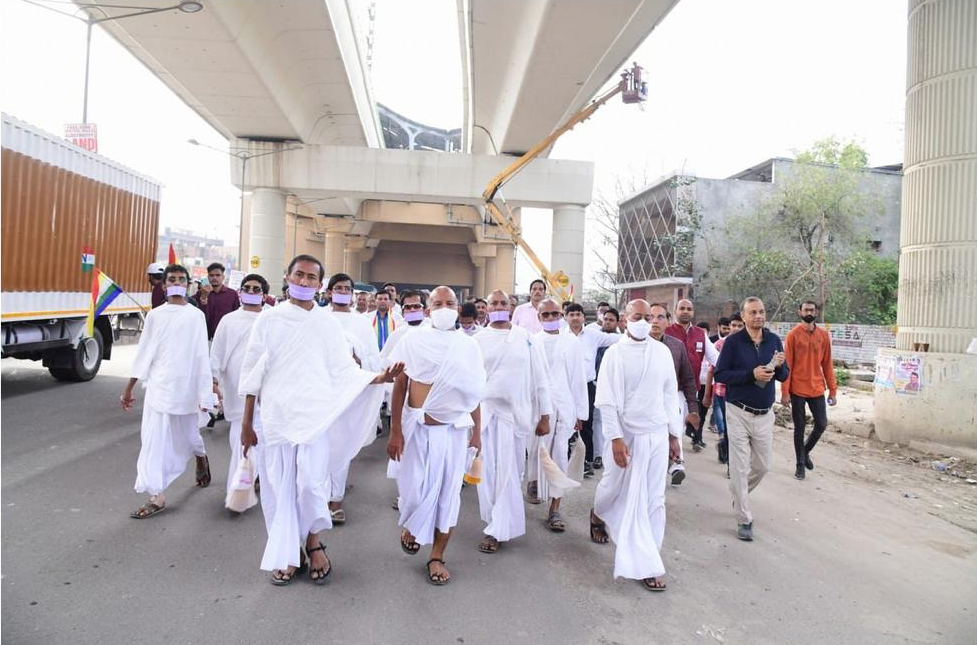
point(900, 373)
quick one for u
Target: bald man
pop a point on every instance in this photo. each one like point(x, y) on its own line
point(637, 395)
point(516, 403)
point(442, 384)
point(567, 375)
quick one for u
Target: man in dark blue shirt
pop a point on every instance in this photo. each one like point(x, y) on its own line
point(749, 363)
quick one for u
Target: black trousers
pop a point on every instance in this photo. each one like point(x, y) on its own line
point(702, 410)
point(587, 431)
point(819, 411)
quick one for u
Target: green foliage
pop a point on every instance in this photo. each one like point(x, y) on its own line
point(830, 151)
point(842, 375)
point(869, 287)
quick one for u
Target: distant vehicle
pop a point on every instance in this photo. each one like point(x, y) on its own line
point(66, 211)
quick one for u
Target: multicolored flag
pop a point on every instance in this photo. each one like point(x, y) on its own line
point(104, 291)
point(172, 254)
point(87, 258)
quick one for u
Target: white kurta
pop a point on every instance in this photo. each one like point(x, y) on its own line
point(173, 366)
point(516, 396)
point(638, 399)
point(568, 392)
point(301, 368)
point(226, 359)
point(433, 461)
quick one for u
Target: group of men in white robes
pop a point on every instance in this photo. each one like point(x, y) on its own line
point(302, 386)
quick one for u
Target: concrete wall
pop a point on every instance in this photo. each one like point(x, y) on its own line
point(423, 264)
point(856, 344)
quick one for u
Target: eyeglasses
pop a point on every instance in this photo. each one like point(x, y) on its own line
point(248, 288)
point(549, 314)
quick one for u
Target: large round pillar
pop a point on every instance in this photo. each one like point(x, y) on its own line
point(937, 308)
point(568, 245)
point(266, 237)
point(479, 287)
point(505, 268)
point(352, 264)
point(334, 254)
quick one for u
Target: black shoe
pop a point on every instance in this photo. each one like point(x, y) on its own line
point(808, 463)
point(696, 447)
point(745, 532)
point(689, 432)
point(799, 472)
point(588, 470)
point(598, 463)
point(723, 454)
point(212, 421)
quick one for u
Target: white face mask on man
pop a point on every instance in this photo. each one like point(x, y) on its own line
point(639, 329)
point(444, 318)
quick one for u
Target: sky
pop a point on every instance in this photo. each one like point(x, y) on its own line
point(732, 82)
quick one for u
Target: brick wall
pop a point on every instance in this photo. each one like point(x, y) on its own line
point(856, 344)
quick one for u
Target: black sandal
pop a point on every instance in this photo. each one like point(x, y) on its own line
point(653, 584)
point(411, 547)
point(598, 530)
point(203, 474)
point(489, 545)
point(323, 573)
point(440, 580)
point(281, 577)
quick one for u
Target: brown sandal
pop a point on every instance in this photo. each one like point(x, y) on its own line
point(410, 547)
point(203, 474)
point(147, 510)
point(653, 584)
point(598, 530)
point(489, 545)
point(436, 579)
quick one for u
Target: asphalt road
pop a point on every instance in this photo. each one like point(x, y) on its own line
point(835, 560)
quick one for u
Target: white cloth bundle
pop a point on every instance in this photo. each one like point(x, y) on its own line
point(577, 457)
point(241, 495)
point(558, 481)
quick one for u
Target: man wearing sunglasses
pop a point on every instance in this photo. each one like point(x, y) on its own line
point(227, 358)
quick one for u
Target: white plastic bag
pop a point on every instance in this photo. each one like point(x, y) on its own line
point(577, 457)
point(241, 496)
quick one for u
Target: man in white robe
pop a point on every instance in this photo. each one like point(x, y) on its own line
point(568, 389)
point(361, 338)
point(300, 369)
point(227, 357)
point(638, 400)
point(443, 383)
point(517, 399)
point(172, 363)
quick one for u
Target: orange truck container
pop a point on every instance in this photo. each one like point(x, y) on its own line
point(61, 203)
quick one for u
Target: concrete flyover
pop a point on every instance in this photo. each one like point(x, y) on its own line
point(937, 312)
point(292, 74)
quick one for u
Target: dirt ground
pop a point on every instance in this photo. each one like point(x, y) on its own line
point(939, 485)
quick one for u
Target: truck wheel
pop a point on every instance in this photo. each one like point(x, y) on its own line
point(84, 360)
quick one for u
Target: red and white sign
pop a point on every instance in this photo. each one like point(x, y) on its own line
point(83, 135)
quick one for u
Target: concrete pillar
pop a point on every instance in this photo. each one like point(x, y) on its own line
point(479, 287)
point(505, 268)
point(352, 263)
point(937, 307)
point(334, 254)
point(568, 244)
point(491, 281)
point(266, 236)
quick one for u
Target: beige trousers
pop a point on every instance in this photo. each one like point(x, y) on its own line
point(750, 455)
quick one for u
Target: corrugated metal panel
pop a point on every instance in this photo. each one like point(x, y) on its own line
point(34, 305)
point(57, 199)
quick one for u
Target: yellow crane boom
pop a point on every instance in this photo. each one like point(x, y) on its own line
point(634, 90)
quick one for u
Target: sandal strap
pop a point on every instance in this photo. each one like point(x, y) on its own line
point(321, 547)
point(434, 560)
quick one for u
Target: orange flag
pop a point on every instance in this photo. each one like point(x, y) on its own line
point(172, 254)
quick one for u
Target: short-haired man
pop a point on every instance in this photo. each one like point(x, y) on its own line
point(215, 299)
point(227, 358)
point(481, 306)
point(443, 383)
point(700, 349)
point(590, 340)
point(567, 375)
point(391, 290)
point(609, 325)
point(362, 340)
point(715, 395)
point(602, 307)
point(749, 363)
point(638, 399)
point(684, 378)
point(383, 321)
point(722, 330)
point(807, 349)
point(154, 273)
point(173, 351)
point(525, 315)
point(466, 319)
point(301, 367)
point(362, 303)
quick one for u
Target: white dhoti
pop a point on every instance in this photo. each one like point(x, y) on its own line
point(337, 484)
point(557, 443)
point(631, 502)
point(294, 498)
point(499, 494)
point(168, 443)
point(430, 475)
